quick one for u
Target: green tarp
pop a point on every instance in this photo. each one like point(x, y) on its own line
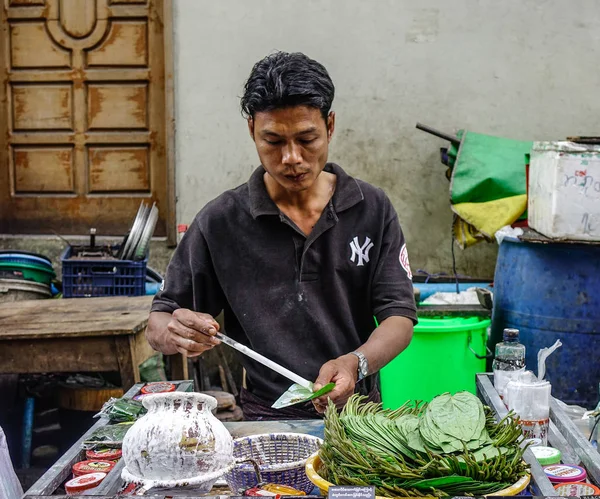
point(488, 187)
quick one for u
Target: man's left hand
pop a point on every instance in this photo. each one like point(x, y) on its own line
point(342, 371)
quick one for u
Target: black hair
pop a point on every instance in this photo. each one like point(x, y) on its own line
point(285, 79)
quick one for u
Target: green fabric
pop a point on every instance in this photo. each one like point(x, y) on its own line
point(488, 168)
point(488, 185)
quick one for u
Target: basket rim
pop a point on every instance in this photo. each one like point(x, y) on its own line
point(246, 467)
point(314, 463)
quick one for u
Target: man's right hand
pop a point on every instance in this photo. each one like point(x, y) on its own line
point(192, 333)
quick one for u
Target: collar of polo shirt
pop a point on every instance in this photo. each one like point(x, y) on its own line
point(347, 192)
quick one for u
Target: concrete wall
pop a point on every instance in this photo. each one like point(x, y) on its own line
point(520, 69)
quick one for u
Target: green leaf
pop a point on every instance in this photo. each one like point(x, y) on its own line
point(408, 426)
point(441, 482)
point(459, 416)
point(298, 393)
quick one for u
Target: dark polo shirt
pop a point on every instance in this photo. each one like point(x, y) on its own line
point(298, 300)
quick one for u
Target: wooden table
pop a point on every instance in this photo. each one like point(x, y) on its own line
point(78, 334)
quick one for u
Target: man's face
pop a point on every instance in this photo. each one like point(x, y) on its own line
point(292, 144)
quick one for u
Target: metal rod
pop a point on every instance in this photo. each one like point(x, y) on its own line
point(452, 138)
point(264, 361)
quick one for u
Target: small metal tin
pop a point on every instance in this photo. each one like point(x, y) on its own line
point(105, 454)
point(92, 466)
point(565, 473)
point(546, 455)
point(158, 387)
point(84, 482)
point(576, 489)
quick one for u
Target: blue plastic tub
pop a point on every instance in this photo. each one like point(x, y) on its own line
point(551, 292)
point(26, 259)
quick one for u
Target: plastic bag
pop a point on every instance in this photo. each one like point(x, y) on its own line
point(107, 436)
point(122, 410)
point(542, 355)
point(10, 487)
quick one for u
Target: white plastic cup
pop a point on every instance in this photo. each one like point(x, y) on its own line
point(530, 399)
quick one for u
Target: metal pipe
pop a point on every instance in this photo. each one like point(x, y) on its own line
point(452, 138)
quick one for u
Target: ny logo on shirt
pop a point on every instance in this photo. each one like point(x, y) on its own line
point(360, 252)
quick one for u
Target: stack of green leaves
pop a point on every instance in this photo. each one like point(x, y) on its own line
point(451, 446)
point(111, 435)
point(122, 410)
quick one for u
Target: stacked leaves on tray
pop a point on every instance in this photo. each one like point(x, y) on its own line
point(121, 414)
point(451, 446)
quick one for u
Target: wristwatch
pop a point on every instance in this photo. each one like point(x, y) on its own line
point(363, 365)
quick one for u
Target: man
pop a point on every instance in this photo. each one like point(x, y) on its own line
point(300, 258)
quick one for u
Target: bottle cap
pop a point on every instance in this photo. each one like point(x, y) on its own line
point(92, 466)
point(84, 482)
point(510, 335)
point(576, 489)
point(565, 473)
point(546, 455)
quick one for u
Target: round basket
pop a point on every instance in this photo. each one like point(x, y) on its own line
point(281, 459)
point(314, 463)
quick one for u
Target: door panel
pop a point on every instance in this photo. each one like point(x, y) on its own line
point(82, 115)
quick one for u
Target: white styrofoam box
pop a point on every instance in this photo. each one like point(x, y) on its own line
point(564, 190)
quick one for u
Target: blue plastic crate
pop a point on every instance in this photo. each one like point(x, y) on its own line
point(95, 278)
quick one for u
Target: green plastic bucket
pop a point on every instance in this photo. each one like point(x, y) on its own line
point(443, 356)
point(27, 271)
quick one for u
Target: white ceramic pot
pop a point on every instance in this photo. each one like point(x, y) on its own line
point(179, 438)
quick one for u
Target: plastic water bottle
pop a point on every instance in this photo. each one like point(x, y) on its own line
point(509, 360)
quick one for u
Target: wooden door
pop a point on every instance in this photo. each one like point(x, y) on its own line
point(82, 115)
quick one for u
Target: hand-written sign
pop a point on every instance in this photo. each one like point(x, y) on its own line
point(351, 492)
point(581, 173)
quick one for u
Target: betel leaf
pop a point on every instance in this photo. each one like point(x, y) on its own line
point(481, 423)
point(434, 433)
point(488, 452)
point(438, 439)
point(485, 453)
point(441, 481)
point(430, 438)
point(408, 426)
point(298, 393)
point(457, 415)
